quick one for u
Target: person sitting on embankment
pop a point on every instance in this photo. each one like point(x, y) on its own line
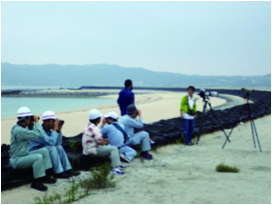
point(140, 137)
point(117, 136)
point(21, 158)
point(95, 146)
point(51, 139)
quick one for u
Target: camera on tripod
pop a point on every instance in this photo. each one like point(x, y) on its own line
point(248, 91)
point(205, 94)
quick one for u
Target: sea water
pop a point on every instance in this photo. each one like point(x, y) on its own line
point(10, 105)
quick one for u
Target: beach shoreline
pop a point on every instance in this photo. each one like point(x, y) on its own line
point(187, 172)
point(165, 101)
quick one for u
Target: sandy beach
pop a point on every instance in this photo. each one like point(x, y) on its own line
point(178, 173)
point(156, 106)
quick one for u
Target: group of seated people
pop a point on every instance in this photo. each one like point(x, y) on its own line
point(40, 146)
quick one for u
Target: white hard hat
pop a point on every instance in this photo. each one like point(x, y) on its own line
point(112, 115)
point(94, 114)
point(24, 112)
point(48, 115)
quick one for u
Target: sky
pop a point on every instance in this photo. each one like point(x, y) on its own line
point(203, 38)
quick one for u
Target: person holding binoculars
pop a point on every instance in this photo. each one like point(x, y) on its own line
point(51, 139)
point(21, 157)
point(129, 120)
point(188, 112)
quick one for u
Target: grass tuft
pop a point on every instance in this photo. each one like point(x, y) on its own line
point(101, 178)
point(226, 168)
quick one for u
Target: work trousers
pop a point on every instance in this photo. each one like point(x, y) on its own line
point(59, 158)
point(140, 137)
point(38, 159)
point(128, 151)
point(111, 152)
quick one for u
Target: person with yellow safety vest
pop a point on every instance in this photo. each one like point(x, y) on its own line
point(188, 112)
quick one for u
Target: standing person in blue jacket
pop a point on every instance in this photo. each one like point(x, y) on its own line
point(117, 136)
point(129, 120)
point(51, 139)
point(126, 97)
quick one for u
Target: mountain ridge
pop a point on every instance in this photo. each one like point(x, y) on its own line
point(114, 75)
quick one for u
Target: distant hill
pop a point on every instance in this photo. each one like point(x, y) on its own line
point(114, 75)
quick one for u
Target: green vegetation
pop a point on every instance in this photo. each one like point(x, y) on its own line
point(55, 199)
point(72, 193)
point(194, 139)
point(178, 141)
point(101, 178)
point(226, 168)
point(138, 149)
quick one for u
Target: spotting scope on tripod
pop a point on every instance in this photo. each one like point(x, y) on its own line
point(250, 117)
point(205, 96)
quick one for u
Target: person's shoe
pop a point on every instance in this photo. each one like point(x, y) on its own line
point(188, 143)
point(38, 185)
point(191, 143)
point(62, 176)
point(116, 171)
point(48, 180)
point(152, 142)
point(150, 156)
point(124, 158)
point(69, 172)
point(121, 167)
point(146, 155)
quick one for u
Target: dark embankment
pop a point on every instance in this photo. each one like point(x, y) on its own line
point(163, 132)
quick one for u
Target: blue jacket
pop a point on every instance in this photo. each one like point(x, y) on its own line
point(51, 138)
point(126, 97)
point(114, 135)
point(131, 123)
point(20, 138)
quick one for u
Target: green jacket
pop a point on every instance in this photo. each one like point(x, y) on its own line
point(19, 140)
point(184, 106)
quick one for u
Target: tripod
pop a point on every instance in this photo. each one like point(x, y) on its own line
point(205, 99)
point(252, 123)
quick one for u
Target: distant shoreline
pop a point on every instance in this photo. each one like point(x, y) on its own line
point(60, 93)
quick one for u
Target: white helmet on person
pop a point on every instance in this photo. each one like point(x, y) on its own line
point(94, 114)
point(24, 112)
point(48, 115)
point(112, 115)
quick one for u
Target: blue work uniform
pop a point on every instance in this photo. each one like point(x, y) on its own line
point(21, 158)
point(116, 138)
point(126, 98)
point(52, 142)
point(139, 137)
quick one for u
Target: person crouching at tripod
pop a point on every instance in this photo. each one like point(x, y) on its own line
point(188, 112)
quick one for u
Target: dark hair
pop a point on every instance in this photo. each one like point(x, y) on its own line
point(94, 121)
point(128, 83)
point(191, 87)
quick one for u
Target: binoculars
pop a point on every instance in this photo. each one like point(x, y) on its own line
point(32, 118)
point(191, 113)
